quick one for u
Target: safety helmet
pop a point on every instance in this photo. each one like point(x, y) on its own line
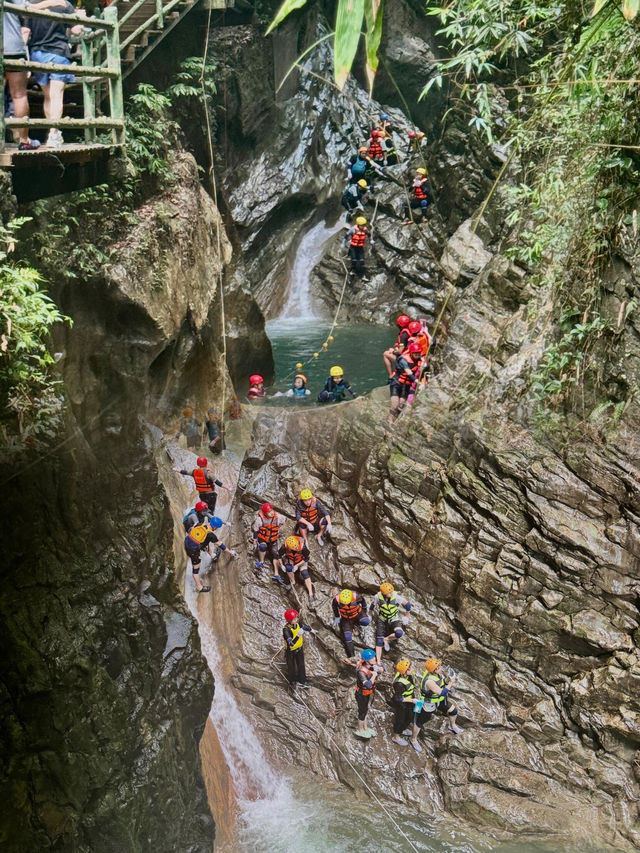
point(293, 543)
point(266, 508)
point(361, 220)
point(345, 597)
point(199, 533)
point(431, 664)
point(202, 461)
point(336, 371)
point(375, 134)
point(386, 588)
point(411, 134)
point(200, 505)
point(367, 654)
point(421, 171)
point(301, 376)
point(215, 522)
point(414, 327)
point(384, 117)
point(414, 347)
point(307, 494)
point(256, 379)
point(362, 183)
point(291, 615)
point(187, 412)
point(403, 666)
point(403, 321)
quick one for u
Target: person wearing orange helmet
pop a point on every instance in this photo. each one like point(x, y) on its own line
point(294, 555)
point(386, 606)
point(205, 482)
point(293, 649)
point(266, 533)
point(404, 379)
point(435, 688)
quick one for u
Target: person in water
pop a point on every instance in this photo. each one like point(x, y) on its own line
point(336, 387)
point(256, 387)
point(298, 388)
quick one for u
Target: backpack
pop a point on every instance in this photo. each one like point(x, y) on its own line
point(358, 168)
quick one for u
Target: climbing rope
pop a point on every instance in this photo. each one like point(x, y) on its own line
point(352, 766)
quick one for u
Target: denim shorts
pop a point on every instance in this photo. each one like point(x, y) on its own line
point(42, 78)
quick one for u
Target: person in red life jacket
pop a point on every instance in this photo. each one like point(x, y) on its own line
point(312, 516)
point(386, 605)
point(404, 379)
point(293, 649)
point(374, 148)
point(294, 555)
point(256, 387)
point(420, 335)
point(421, 196)
point(354, 240)
point(266, 533)
point(349, 610)
point(367, 671)
point(404, 336)
point(205, 482)
point(198, 539)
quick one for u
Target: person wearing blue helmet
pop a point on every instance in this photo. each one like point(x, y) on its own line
point(367, 671)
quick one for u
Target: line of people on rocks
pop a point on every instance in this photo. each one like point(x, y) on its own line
point(335, 388)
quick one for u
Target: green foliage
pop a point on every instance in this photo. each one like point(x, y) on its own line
point(186, 93)
point(151, 133)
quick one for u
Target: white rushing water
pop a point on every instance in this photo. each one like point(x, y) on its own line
point(299, 304)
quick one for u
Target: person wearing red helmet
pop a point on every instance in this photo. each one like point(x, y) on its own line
point(404, 336)
point(420, 335)
point(266, 533)
point(204, 481)
point(256, 387)
point(293, 649)
point(198, 514)
point(404, 378)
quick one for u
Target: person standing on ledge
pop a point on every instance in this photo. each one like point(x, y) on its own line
point(434, 690)
point(387, 603)
point(403, 723)
point(312, 516)
point(354, 242)
point(293, 649)
point(367, 671)
point(204, 481)
point(349, 610)
point(266, 533)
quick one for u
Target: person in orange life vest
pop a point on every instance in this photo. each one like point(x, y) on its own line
point(294, 555)
point(374, 146)
point(367, 671)
point(403, 381)
point(293, 648)
point(355, 239)
point(404, 335)
point(349, 610)
point(422, 196)
point(416, 138)
point(198, 539)
point(420, 335)
point(256, 387)
point(387, 604)
point(205, 482)
point(266, 532)
point(312, 516)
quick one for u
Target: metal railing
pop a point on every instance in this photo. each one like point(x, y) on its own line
point(100, 54)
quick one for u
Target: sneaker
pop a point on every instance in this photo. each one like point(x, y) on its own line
point(208, 589)
point(372, 732)
point(456, 729)
point(215, 555)
point(416, 745)
point(363, 733)
point(54, 139)
point(407, 732)
point(259, 565)
point(277, 578)
point(365, 278)
point(304, 684)
point(387, 647)
point(400, 741)
point(29, 145)
point(320, 542)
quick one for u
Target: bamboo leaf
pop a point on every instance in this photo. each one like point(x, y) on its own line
point(373, 20)
point(348, 26)
point(630, 9)
point(287, 7)
point(597, 6)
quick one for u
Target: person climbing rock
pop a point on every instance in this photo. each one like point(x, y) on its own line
point(421, 195)
point(403, 721)
point(366, 674)
point(354, 196)
point(298, 388)
point(420, 335)
point(374, 148)
point(335, 387)
point(434, 690)
point(256, 387)
point(266, 532)
point(213, 432)
point(294, 555)
point(404, 378)
point(205, 482)
point(354, 242)
point(384, 123)
point(293, 648)
point(190, 428)
point(358, 165)
point(198, 539)
point(312, 516)
point(198, 514)
point(386, 605)
point(404, 336)
point(389, 149)
point(416, 140)
point(349, 610)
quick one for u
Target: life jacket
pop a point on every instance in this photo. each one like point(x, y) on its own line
point(300, 392)
point(407, 683)
point(358, 168)
point(203, 486)
point(199, 533)
point(419, 192)
point(388, 609)
point(403, 337)
point(401, 376)
point(310, 513)
point(422, 338)
point(375, 150)
point(196, 518)
point(269, 530)
point(358, 237)
point(298, 639)
point(428, 695)
point(293, 557)
point(366, 691)
point(348, 611)
point(255, 392)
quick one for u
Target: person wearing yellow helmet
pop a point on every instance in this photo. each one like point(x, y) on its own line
point(349, 610)
point(354, 197)
point(298, 390)
point(312, 516)
point(435, 688)
point(294, 555)
point(335, 387)
point(354, 242)
point(421, 196)
point(386, 605)
point(403, 723)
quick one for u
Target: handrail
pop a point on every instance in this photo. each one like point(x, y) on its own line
point(55, 68)
point(134, 35)
point(25, 12)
